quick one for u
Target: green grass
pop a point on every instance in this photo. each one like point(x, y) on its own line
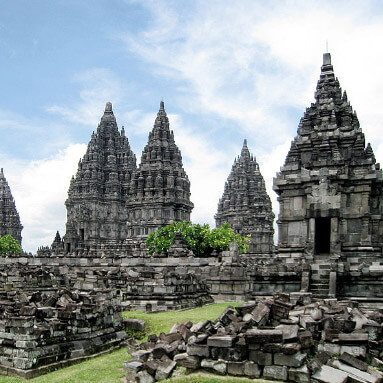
point(163, 322)
point(106, 369)
point(109, 368)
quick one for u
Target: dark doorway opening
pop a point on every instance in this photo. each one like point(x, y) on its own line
point(322, 235)
point(82, 234)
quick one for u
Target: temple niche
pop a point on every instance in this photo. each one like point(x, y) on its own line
point(330, 187)
point(245, 204)
point(159, 192)
point(9, 217)
point(96, 211)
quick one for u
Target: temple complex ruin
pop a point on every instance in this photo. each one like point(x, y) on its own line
point(159, 192)
point(246, 205)
point(9, 217)
point(330, 246)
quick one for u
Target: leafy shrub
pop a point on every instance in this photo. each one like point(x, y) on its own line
point(9, 245)
point(198, 238)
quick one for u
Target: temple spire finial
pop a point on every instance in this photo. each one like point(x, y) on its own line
point(162, 105)
point(108, 107)
point(326, 58)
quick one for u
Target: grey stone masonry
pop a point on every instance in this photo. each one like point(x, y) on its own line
point(160, 190)
point(330, 188)
point(96, 211)
point(9, 217)
point(246, 205)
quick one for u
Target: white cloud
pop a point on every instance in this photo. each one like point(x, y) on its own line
point(40, 190)
point(98, 85)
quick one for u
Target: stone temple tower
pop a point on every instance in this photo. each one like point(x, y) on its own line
point(246, 205)
point(160, 190)
point(96, 211)
point(9, 217)
point(330, 187)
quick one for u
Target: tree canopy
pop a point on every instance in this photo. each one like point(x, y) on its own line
point(9, 245)
point(198, 238)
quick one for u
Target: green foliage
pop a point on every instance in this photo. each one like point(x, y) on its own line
point(198, 238)
point(9, 245)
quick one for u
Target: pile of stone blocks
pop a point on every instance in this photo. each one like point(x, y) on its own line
point(41, 332)
point(285, 338)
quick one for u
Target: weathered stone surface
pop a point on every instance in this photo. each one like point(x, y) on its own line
point(236, 368)
point(275, 372)
point(263, 336)
point(295, 360)
point(187, 361)
point(327, 374)
point(134, 324)
point(200, 350)
point(299, 375)
point(221, 341)
point(354, 372)
point(144, 377)
point(261, 358)
point(220, 367)
point(165, 369)
point(252, 370)
point(352, 361)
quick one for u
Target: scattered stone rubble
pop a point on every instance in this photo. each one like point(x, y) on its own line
point(287, 338)
point(41, 332)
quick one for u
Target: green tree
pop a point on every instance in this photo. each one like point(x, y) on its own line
point(9, 245)
point(198, 238)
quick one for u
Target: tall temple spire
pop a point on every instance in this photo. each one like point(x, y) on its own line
point(246, 205)
point(330, 187)
point(160, 190)
point(9, 217)
point(96, 211)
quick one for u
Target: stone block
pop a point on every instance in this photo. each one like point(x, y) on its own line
point(354, 372)
point(236, 368)
point(305, 339)
point(221, 341)
point(354, 338)
point(289, 331)
point(165, 369)
point(275, 372)
point(252, 370)
point(299, 375)
point(354, 362)
point(220, 367)
point(261, 358)
point(295, 360)
point(144, 377)
point(187, 361)
point(263, 336)
point(327, 374)
point(200, 350)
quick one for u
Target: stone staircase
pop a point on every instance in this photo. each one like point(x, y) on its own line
point(320, 276)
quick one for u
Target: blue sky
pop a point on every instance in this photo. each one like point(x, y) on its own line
point(227, 70)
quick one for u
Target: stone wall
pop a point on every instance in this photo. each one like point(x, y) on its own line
point(40, 332)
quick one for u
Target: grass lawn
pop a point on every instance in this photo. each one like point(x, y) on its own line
point(109, 368)
point(163, 322)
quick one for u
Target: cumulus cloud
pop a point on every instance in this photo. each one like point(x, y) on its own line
point(98, 85)
point(40, 190)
